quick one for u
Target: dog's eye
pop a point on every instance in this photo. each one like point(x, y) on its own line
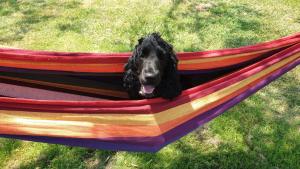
point(160, 54)
point(143, 56)
point(145, 51)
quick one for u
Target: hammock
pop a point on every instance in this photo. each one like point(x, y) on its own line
point(77, 99)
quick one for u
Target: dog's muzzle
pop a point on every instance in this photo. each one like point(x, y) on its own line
point(147, 90)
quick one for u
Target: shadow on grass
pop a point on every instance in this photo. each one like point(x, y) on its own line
point(7, 146)
point(57, 156)
point(11, 6)
point(28, 16)
point(238, 19)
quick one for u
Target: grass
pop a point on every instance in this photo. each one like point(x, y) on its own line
point(261, 132)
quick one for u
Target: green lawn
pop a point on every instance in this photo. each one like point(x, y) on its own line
point(261, 132)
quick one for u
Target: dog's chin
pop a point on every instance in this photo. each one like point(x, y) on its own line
point(147, 91)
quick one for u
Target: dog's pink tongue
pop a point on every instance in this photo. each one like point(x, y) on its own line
point(147, 89)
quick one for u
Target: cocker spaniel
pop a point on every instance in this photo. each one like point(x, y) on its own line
point(151, 71)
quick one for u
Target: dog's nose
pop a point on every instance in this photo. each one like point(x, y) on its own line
point(150, 76)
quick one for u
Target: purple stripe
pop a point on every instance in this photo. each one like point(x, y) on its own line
point(155, 143)
point(90, 143)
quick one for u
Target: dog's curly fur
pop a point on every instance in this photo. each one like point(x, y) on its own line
point(169, 86)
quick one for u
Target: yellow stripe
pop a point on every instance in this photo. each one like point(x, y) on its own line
point(9, 117)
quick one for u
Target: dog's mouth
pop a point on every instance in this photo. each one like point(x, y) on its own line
point(147, 90)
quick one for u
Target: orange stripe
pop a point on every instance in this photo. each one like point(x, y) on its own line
point(216, 64)
point(199, 59)
point(116, 67)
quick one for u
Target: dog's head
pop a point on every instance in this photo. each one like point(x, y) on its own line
point(153, 62)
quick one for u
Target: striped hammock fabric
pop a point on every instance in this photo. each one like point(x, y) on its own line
point(77, 99)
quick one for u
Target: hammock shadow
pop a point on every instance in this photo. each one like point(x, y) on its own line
point(11, 7)
point(59, 156)
point(7, 147)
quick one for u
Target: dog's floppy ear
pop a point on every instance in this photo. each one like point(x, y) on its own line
point(170, 86)
point(131, 63)
point(130, 78)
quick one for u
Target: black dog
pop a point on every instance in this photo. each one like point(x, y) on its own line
point(151, 71)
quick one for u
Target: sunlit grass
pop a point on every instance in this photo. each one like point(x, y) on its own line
point(261, 132)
